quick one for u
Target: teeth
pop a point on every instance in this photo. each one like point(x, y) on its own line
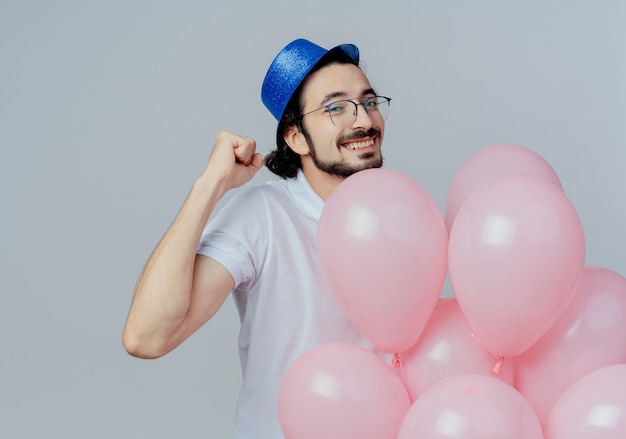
point(359, 145)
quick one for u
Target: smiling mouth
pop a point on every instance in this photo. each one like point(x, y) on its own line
point(353, 146)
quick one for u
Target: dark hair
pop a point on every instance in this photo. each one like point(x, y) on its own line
point(283, 161)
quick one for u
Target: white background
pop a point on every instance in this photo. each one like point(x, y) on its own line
point(108, 111)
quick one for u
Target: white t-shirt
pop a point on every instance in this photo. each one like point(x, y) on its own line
point(266, 237)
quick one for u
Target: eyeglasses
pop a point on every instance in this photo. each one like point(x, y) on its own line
point(343, 113)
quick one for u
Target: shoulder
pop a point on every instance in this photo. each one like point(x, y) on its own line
point(259, 195)
point(261, 202)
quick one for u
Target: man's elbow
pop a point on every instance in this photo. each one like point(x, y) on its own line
point(137, 346)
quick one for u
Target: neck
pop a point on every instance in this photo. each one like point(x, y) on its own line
point(321, 182)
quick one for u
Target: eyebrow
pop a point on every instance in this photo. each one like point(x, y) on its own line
point(343, 94)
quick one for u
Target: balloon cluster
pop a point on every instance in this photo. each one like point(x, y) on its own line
point(531, 346)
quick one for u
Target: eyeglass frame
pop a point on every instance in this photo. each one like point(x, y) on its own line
point(356, 107)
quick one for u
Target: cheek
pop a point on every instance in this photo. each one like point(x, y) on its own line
point(326, 140)
point(381, 128)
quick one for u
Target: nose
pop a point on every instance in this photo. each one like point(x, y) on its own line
point(362, 119)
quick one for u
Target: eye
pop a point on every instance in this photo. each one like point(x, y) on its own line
point(337, 107)
point(371, 102)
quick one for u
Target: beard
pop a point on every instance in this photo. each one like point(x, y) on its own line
point(342, 169)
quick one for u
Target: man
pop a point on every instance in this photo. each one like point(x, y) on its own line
point(261, 246)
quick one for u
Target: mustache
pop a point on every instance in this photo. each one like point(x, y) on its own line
point(359, 134)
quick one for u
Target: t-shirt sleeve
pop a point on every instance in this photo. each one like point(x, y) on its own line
point(231, 237)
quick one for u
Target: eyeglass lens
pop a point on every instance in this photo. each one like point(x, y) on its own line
point(344, 113)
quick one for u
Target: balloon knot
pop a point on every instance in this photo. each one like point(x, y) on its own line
point(498, 367)
point(395, 362)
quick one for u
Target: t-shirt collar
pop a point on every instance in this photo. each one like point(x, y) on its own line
point(307, 201)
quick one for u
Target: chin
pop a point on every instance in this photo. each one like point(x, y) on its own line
point(372, 160)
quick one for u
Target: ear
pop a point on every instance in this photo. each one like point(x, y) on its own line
point(296, 140)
